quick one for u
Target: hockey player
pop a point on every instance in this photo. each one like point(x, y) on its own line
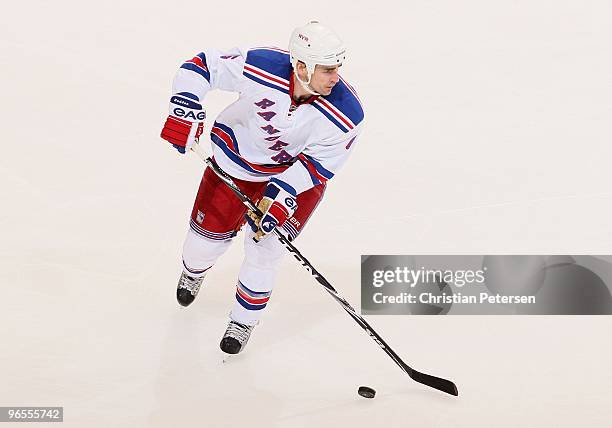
point(291, 129)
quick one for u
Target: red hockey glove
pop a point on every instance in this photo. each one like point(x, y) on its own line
point(185, 123)
point(278, 204)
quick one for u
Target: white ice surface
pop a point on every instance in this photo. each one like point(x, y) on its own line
point(488, 132)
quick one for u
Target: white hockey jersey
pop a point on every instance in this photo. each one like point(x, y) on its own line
point(264, 133)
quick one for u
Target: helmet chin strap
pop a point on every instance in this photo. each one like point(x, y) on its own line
point(306, 85)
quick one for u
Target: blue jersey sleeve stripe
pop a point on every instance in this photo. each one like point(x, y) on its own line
point(315, 180)
point(196, 69)
point(286, 186)
point(320, 168)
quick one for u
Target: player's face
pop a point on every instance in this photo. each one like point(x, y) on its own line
point(324, 79)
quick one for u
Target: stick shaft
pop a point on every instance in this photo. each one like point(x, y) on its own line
point(432, 381)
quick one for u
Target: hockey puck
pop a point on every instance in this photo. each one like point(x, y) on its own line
point(366, 391)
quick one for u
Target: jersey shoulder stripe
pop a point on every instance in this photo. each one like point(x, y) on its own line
point(342, 107)
point(264, 78)
point(271, 60)
point(268, 66)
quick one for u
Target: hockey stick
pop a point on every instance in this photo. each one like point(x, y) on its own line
point(432, 381)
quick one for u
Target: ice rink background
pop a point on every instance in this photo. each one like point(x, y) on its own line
point(488, 131)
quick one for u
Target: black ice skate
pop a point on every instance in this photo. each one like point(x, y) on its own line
point(187, 289)
point(236, 337)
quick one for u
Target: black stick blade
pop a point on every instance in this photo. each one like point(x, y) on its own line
point(435, 382)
